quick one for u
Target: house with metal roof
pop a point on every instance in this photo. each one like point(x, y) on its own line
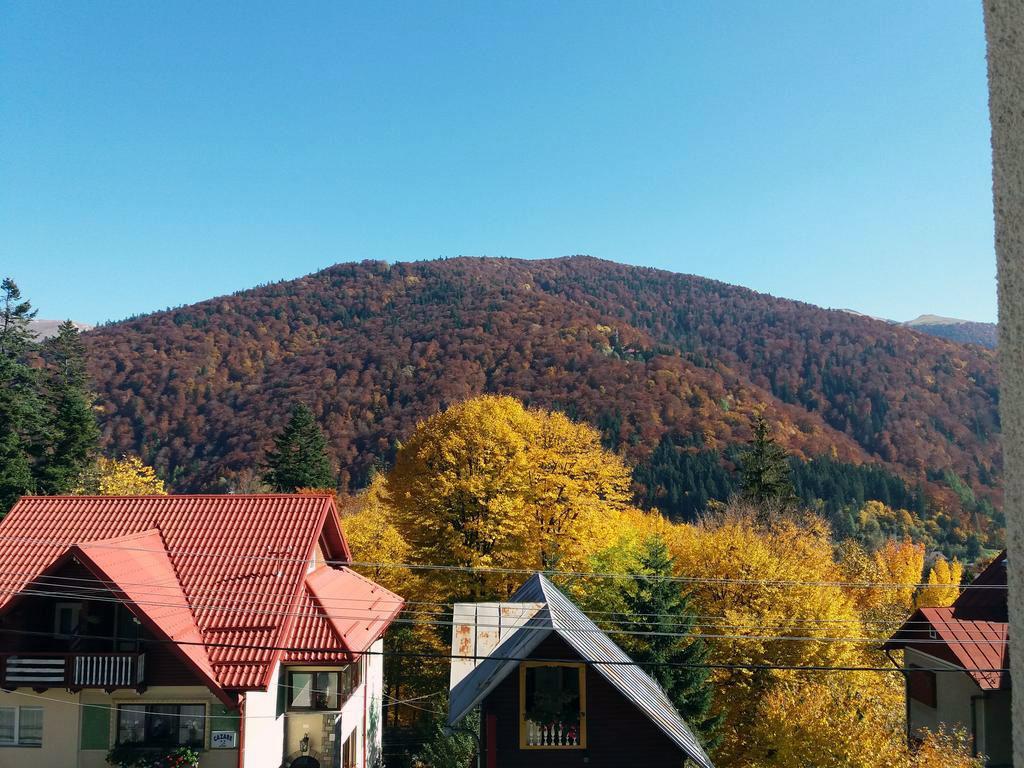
point(228, 625)
point(957, 659)
point(554, 690)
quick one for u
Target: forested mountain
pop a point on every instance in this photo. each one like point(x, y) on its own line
point(656, 360)
point(963, 331)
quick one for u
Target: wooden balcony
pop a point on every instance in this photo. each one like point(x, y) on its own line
point(72, 670)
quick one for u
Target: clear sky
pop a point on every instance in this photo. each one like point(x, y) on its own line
point(154, 154)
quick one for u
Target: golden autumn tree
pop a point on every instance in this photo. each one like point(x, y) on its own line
point(488, 483)
point(374, 539)
point(126, 476)
point(943, 584)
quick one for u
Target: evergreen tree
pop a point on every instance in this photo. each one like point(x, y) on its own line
point(22, 416)
point(657, 606)
point(75, 433)
point(765, 474)
point(299, 458)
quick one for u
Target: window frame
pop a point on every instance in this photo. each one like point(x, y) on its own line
point(581, 669)
point(343, 693)
point(18, 743)
point(204, 718)
point(75, 611)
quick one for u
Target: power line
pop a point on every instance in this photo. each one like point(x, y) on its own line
point(577, 660)
point(85, 588)
point(496, 570)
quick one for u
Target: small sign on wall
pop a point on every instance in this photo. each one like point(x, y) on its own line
point(223, 739)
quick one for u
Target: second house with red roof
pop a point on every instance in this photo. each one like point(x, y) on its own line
point(223, 626)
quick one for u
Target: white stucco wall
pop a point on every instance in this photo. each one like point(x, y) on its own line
point(1004, 30)
point(264, 729)
point(360, 714)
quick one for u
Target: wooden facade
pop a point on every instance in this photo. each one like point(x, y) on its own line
point(107, 643)
point(617, 733)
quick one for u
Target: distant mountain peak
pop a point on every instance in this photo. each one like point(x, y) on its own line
point(44, 329)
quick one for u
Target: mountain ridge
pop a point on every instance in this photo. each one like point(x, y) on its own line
point(640, 352)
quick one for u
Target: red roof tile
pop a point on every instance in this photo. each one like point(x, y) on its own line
point(977, 646)
point(340, 608)
point(239, 563)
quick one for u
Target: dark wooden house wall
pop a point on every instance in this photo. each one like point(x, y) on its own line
point(618, 734)
point(27, 627)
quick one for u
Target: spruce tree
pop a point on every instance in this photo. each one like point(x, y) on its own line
point(75, 433)
point(23, 422)
point(765, 474)
point(657, 606)
point(299, 458)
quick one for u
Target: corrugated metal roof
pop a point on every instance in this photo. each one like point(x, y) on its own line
point(239, 563)
point(561, 616)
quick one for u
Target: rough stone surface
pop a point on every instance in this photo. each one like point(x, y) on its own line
point(1004, 29)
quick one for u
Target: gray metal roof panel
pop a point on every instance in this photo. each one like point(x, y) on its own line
point(475, 686)
point(594, 646)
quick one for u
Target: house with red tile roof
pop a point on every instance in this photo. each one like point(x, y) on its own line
point(228, 624)
point(958, 662)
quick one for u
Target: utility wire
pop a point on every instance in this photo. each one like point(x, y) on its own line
point(495, 657)
point(489, 570)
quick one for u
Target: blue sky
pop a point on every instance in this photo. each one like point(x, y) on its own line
point(157, 154)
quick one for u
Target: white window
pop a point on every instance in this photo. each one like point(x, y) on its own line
point(21, 726)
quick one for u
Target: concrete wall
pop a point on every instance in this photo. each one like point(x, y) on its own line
point(60, 730)
point(64, 714)
point(1004, 30)
point(953, 692)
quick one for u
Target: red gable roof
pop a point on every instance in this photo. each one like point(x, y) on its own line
point(972, 633)
point(340, 608)
point(236, 564)
point(977, 646)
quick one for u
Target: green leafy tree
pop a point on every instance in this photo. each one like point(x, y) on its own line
point(75, 435)
point(449, 748)
point(299, 459)
point(765, 472)
point(23, 424)
point(657, 607)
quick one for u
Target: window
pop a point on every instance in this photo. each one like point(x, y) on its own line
point(350, 751)
point(552, 700)
point(65, 619)
point(921, 686)
point(162, 725)
point(21, 726)
point(326, 690)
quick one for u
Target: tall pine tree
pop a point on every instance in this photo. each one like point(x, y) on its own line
point(23, 422)
point(299, 458)
point(765, 473)
point(75, 434)
point(657, 607)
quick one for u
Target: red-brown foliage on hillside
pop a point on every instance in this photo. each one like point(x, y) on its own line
point(371, 348)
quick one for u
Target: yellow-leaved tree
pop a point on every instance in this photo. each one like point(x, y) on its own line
point(126, 476)
point(373, 538)
point(943, 584)
point(488, 483)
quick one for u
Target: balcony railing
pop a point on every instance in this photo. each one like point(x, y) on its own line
point(72, 670)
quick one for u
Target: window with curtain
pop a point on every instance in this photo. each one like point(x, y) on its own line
point(162, 725)
point(21, 726)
